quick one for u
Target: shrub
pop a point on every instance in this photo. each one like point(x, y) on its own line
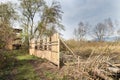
point(6, 60)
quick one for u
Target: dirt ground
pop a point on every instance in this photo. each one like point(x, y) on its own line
point(42, 68)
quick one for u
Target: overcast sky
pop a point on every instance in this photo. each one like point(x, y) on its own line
point(91, 11)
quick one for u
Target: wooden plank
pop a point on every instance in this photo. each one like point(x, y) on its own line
point(50, 44)
point(101, 75)
point(118, 65)
point(55, 51)
point(68, 48)
point(58, 51)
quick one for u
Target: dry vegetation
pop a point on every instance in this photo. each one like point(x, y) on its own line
point(97, 60)
point(97, 48)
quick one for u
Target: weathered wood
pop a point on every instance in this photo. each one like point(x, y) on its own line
point(32, 47)
point(118, 65)
point(68, 48)
point(48, 48)
point(100, 74)
point(114, 69)
point(58, 51)
point(78, 61)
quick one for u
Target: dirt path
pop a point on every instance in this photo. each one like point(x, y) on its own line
point(44, 68)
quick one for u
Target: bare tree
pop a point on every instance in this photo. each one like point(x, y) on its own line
point(103, 29)
point(109, 25)
point(100, 31)
point(81, 31)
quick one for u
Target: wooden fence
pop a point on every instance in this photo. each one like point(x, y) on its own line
point(48, 48)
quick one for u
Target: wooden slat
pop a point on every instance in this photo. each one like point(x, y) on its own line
point(68, 48)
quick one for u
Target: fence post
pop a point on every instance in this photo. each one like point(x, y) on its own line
point(32, 47)
point(78, 61)
point(58, 50)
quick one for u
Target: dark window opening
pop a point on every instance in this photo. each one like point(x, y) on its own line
point(36, 47)
point(45, 47)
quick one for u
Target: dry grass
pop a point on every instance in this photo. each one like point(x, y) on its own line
point(93, 68)
point(84, 49)
point(95, 59)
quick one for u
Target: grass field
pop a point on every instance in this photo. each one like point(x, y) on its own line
point(17, 66)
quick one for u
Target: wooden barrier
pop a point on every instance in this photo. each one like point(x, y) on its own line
point(48, 48)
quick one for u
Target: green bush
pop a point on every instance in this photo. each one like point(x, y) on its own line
point(2, 61)
point(2, 44)
point(6, 60)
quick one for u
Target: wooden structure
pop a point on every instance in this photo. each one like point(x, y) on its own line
point(15, 41)
point(48, 48)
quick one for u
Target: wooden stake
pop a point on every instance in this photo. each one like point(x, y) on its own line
point(78, 61)
point(68, 48)
point(58, 51)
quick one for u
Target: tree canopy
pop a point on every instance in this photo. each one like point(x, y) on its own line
point(39, 19)
point(7, 14)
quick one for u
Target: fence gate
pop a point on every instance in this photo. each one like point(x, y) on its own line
point(48, 48)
